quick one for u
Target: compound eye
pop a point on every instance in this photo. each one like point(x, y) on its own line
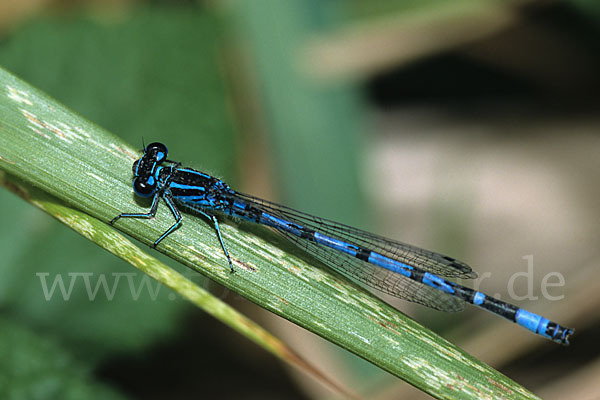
point(157, 150)
point(135, 167)
point(144, 187)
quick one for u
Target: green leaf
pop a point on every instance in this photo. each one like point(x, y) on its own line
point(44, 144)
point(35, 367)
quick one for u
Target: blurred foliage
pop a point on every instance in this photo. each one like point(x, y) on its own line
point(591, 7)
point(132, 73)
point(36, 367)
point(314, 127)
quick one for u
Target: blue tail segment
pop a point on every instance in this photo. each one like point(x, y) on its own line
point(393, 267)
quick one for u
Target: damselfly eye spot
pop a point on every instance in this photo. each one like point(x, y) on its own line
point(144, 187)
point(157, 150)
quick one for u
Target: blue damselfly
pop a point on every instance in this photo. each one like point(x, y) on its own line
point(399, 269)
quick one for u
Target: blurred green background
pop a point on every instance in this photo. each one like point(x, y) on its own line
point(467, 127)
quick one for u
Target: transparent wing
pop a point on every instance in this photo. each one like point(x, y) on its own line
point(366, 273)
point(425, 260)
point(378, 278)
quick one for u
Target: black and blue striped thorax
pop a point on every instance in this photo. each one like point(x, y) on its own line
point(189, 186)
point(153, 173)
